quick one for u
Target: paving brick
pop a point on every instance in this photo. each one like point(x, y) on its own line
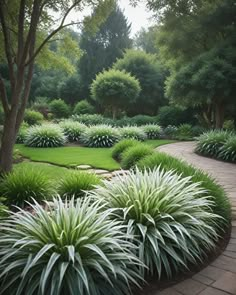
point(230, 254)
point(190, 286)
point(226, 283)
point(212, 291)
point(169, 291)
point(212, 272)
point(231, 247)
point(202, 279)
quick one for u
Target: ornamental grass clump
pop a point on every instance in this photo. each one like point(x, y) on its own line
point(100, 136)
point(228, 150)
point(72, 130)
point(133, 154)
point(152, 131)
point(72, 247)
point(133, 132)
point(210, 143)
point(22, 185)
point(170, 217)
point(47, 136)
point(76, 183)
point(121, 146)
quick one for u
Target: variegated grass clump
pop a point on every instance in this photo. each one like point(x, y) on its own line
point(170, 217)
point(72, 130)
point(100, 136)
point(210, 143)
point(47, 135)
point(71, 248)
point(133, 132)
point(152, 131)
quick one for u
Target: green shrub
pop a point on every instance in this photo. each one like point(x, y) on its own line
point(152, 131)
point(172, 223)
point(133, 154)
point(209, 143)
point(22, 135)
point(47, 135)
point(133, 132)
point(184, 132)
point(22, 185)
point(33, 117)
point(89, 119)
point(170, 131)
point(75, 249)
point(228, 151)
point(222, 205)
point(198, 130)
point(72, 130)
point(228, 125)
point(41, 104)
point(100, 136)
point(140, 120)
point(83, 107)
point(75, 184)
point(115, 90)
point(59, 108)
point(121, 146)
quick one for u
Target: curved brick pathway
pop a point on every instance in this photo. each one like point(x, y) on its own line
point(219, 278)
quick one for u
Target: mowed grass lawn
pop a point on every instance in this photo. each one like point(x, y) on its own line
point(66, 156)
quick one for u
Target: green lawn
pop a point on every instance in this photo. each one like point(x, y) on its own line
point(65, 156)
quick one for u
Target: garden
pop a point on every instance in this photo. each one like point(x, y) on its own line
point(89, 204)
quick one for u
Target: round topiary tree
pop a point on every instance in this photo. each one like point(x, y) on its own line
point(115, 89)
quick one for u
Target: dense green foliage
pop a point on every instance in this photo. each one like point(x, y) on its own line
point(75, 248)
point(228, 150)
point(151, 75)
point(22, 135)
point(47, 135)
point(133, 154)
point(100, 136)
point(76, 183)
point(166, 162)
point(21, 185)
point(115, 90)
point(152, 131)
point(33, 117)
point(121, 146)
point(133, 132)
point(59, 108)
point(89, 119)
point(72, 130)
point(170, 217)
point(83, 107)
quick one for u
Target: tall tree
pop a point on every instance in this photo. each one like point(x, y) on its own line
point(146, 39)
point(26, 28)
point(102, 49)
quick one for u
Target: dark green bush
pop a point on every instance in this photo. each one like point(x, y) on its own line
point(83, 107)
point(59, 108)
point(184, 132)
point(121, 146)
point(140, 120)
point(75, 183)
point(222, 205)
point(133, 154)
point(170, 131)
point(33, 117)
point(89, 119)
point(22, 185)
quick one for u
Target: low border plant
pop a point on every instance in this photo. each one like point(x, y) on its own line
point(133, 154)
point(72, 130)
point(133, 132)
point(121, 146)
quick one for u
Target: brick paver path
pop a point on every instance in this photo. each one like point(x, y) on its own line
point(219, 278)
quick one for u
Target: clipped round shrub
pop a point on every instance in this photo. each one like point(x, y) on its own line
point(121, 146)
point(47, 136)
point(33, 117)
point(72, 130)
point(75, 184)
point(89, 119)
point(22, 185)
point(171, 222)
point(69, 248)
point(152, 131)
point(210, 143)
point(228, 151)
point(59, 108)
point(133, 154)
point(100, 136)
point(133, 132)
point(166, 162)
point(83, 107)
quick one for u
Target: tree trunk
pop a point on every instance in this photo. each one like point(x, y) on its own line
point(219, 114)
point(8, 141)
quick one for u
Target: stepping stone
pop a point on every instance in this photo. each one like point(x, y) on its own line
point(100, 171)
point(84, 167)
point(107, 175)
